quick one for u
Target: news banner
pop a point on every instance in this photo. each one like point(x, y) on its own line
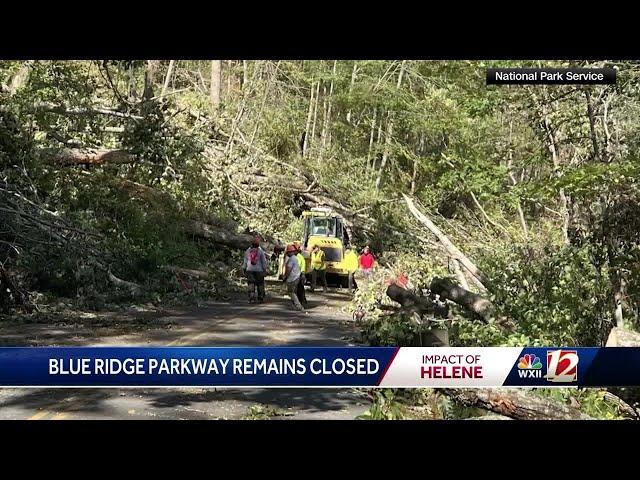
point(397, 367)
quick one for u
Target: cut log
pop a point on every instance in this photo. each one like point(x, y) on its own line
point(80, 156)
point(448, 245)
point(516, 404)
point(415, 304)
point(466, 299)
point(621, 337)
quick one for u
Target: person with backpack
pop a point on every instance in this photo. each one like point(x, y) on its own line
point(292, 276)
point(254, 267)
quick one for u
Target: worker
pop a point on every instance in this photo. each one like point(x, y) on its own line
point(351, 264)
point(292, 275)
point(367, 262)
point(303, 278)
point(319, 268)
point(254, 266)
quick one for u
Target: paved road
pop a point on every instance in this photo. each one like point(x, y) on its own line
point(212, 324)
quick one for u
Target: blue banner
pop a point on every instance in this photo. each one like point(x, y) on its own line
point(192, 366)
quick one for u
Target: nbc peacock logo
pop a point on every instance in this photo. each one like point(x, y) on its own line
point(530, 366)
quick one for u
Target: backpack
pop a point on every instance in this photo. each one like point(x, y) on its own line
point(254, 256)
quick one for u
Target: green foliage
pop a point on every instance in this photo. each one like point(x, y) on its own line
point(556, 296)
point(385, 406)
point(592, 402)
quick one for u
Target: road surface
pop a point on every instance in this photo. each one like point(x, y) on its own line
point(233, 323)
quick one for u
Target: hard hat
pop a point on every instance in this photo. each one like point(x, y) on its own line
point(291, 248)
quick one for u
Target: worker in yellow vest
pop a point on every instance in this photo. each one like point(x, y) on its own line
point(319, 268)
point(303, 278)
point(351, 264)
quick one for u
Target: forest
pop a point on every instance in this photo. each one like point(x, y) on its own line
point(121, 180)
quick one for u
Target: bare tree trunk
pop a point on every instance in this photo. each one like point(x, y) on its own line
point(76, 156)
point(553, 149)
point(448, 245)
point(167, 79)
point(592, 125)
point(523, 222)
point(323, 131)
point(149, 79)
point(216, 80)
point(389, 132)
point(307, 129)
point(245, 73)
point(378, 140)
point(462, 280)
point(564, 204)
point(229, 71)
point(327, 124)
point(385, 152)
point(315, 115)
point(354, 72)
point(373, 129)
point(486, 217)
point(414, 175)
point(131, 81)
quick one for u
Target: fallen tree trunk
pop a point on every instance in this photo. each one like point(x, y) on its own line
point(201, 274)
point(276, 181)
point(466, 299)
point(238, 241)
point(64, 110)
point(621, 337)
point(133, 288)
point(448, 245)
point(516, 404)
point(89, 156)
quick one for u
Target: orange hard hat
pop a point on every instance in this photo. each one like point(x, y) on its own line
point(291, 248)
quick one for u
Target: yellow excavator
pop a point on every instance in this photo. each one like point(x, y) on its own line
point(324, 228)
